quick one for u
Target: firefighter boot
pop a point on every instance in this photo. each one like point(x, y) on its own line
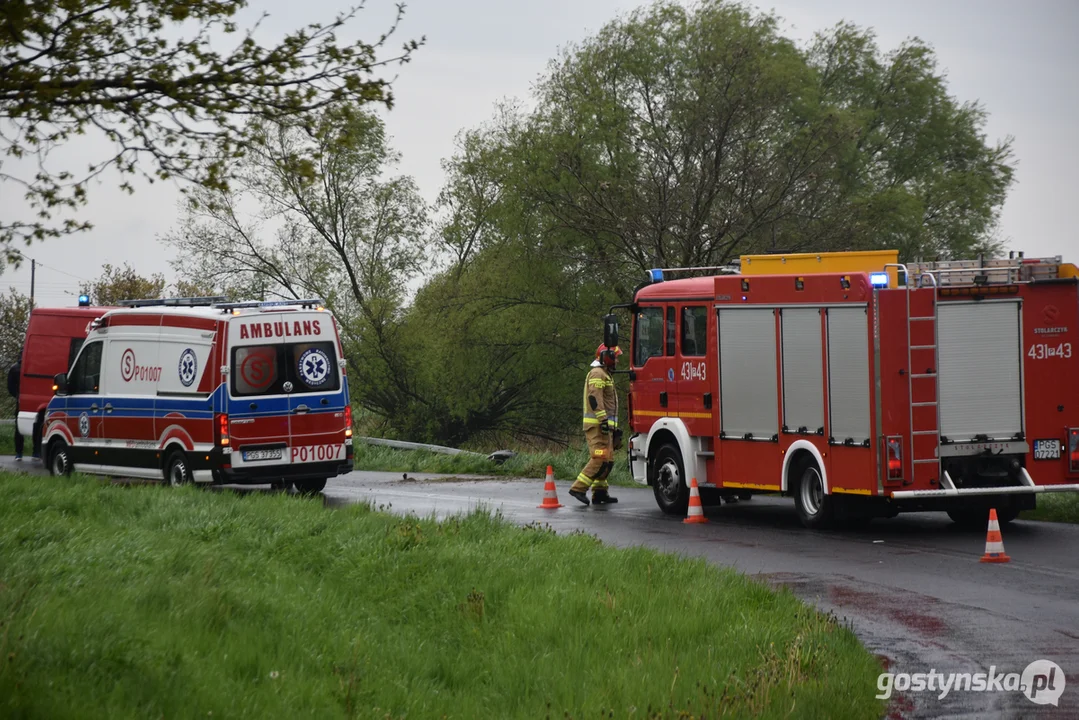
point(580, 488)
point(602, 497)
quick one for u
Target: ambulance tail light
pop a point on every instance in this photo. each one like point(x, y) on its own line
point(221, 423)
point(348, 421)
point(1073, 450)
point(895, 458)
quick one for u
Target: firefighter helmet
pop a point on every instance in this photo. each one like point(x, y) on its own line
point(606, 355)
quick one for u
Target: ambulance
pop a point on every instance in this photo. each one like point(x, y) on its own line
point(206, 391)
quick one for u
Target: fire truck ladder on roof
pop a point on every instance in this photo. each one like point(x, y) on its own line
point(922, 375)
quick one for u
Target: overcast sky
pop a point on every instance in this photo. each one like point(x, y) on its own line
point(1020, 59)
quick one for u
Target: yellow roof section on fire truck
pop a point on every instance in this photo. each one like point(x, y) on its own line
point(866, 261)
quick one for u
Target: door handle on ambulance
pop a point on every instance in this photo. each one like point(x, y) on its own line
point(301, 409)
point(93, 408)
point(108, 407)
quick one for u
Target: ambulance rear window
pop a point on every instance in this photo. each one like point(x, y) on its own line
point(264, 369)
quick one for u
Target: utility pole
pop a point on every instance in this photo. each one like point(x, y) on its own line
point(33, 273)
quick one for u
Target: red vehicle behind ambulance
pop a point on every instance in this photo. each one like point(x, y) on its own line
point(205, 391)
point(54, 337)
point(867, 391)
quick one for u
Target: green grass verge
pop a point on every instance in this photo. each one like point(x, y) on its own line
point(1055, 507)
point(533, 466)
point(142, 601)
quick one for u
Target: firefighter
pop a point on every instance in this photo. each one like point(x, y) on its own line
point(600, 428)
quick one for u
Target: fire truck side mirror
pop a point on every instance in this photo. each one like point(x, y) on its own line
point(610, 331)
point(59, 384)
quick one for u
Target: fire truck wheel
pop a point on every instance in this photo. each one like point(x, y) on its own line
point(59, 458)
point(814, 507)
point(310, 487)
point(668, 480)
point(978, 518)
point(178, 472)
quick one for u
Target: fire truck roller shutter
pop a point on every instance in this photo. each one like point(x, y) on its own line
point(747, 369)
point(979, 374)
point(848, 374)
point(803, 370)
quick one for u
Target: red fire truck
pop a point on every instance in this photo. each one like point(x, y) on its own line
point(861, 388)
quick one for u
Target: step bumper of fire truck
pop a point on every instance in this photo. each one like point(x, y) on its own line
point(962, 492)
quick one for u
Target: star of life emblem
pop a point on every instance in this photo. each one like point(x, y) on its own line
point(314, 367)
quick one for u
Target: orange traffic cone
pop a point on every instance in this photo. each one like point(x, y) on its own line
point(994, 543)
point(696, 510)
point(550, 495)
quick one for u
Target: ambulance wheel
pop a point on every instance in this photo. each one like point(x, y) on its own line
point(669, 480)
point(310, 487)
point(59, 458)
point(178, 472)
point(815, 508)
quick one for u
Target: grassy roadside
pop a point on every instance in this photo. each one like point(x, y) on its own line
point(143, 601)
point(1055, 507)
point(565, 464)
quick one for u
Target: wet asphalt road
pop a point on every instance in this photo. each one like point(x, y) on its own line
point(911, 587)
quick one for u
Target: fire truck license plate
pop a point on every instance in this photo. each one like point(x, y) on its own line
point(1046, 449)
point(267, 454)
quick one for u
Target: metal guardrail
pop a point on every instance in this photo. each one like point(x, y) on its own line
point(402, 445)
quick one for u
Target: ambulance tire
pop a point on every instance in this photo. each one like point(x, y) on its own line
point(177, 471)
point(815, 508)
point(310, 487)
point(669, 480)
point(59, 458)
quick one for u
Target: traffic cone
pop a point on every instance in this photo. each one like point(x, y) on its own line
point(696, 510)
point(994, 543)
point(550, 495)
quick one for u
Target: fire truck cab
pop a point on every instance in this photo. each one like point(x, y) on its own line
point(857, 385)
point(202, 390)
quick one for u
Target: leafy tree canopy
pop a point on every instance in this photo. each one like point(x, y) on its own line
point(685, 137)
point(147, 77)
point(116, 284)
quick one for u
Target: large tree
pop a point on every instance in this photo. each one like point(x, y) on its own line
point(148, 78)
point(315, 210)
point(116, 284)
point(685, 137)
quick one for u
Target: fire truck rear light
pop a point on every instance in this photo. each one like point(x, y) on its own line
point(222, 429)
point(348, 421)
point(1073, 450)
point(895, 458)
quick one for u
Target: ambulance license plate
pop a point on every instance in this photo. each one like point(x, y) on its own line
point(265, 454)
point(1046, 449)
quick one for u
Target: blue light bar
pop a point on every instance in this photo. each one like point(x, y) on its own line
point(878, 279)
point(656, 274)
point(84, 300)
